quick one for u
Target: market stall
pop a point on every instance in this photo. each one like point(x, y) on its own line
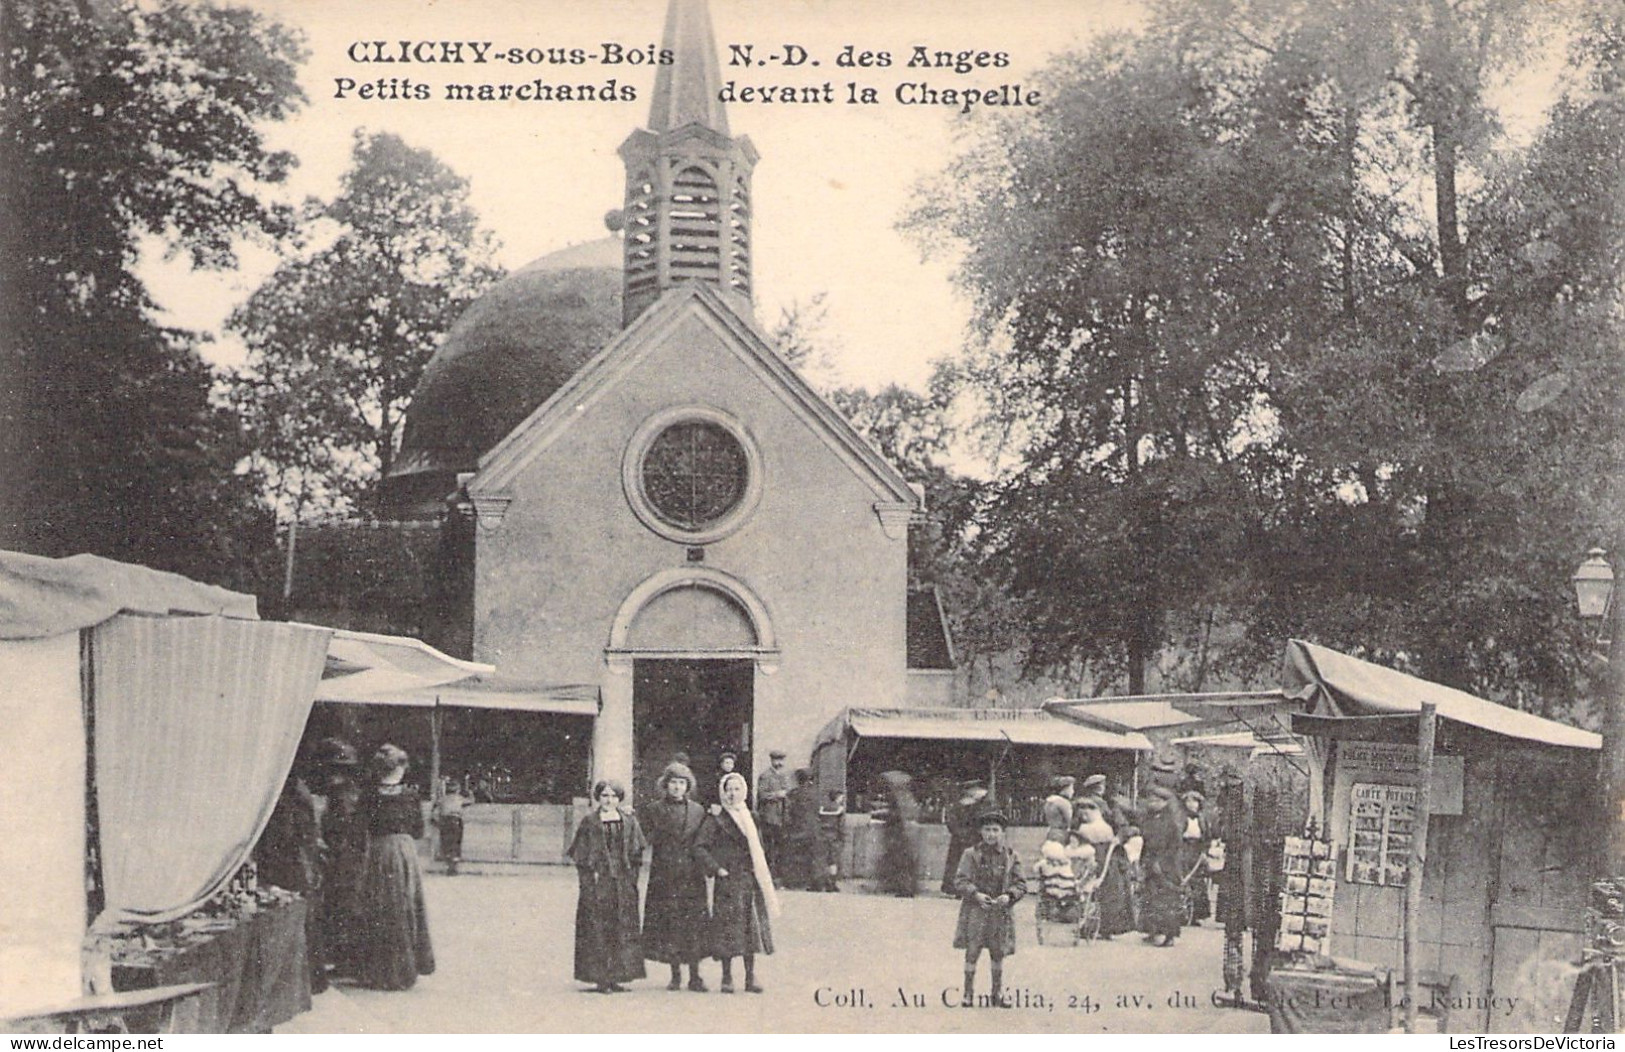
point(1501, 821)
point(151, 723)
point(1015, 752)
point(519, 750)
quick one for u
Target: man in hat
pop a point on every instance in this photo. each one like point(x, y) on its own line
point(962, 832)
point(990, 882)
point(1095, 786)
point(1162, 828)
point(799, 848)
point(772, 792)
point(1058, 808)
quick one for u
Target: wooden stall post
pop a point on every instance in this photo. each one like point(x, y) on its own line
point(1413, 871)
point(435, 791)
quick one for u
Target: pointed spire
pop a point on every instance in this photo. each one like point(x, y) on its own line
point(686, 90)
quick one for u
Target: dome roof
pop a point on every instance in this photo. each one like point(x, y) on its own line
point(507, 354)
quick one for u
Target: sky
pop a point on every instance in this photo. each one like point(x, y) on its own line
point(832, 181)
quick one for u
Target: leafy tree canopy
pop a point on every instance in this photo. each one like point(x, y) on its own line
point(338, 336)
point(120, 123)
point(1260, 295)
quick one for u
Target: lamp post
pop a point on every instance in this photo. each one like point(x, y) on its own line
point(1594, 590)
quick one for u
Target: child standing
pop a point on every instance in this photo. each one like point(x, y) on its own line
point(831, 838)
point(989, 883)
point(448, 818)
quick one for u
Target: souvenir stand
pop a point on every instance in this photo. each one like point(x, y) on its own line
point(1489, 805)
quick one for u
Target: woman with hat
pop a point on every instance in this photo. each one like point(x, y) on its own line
point(1193, 843)
point(1058, 808)
point(394, 946)
point(676, 919)
point(989, 881)
point(1114, 892)
point(344, 834)
point(1163, 905)
point(608, 852)
point(729, 848)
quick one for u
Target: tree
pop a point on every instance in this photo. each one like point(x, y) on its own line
point(1254, 333)
point(120, 123)
point(1103, 240)
point(339, 335)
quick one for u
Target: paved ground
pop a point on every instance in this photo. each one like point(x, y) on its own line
point(849, 962)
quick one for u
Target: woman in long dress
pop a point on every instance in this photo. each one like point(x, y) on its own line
point(1113, 893)
point(729, 848)
point(676, 918)
point(608, 852)
point(394, 946)
point(899, 869)
point(1163, 906)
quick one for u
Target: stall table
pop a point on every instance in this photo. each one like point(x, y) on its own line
point(1326, 1001)
point(259, 970)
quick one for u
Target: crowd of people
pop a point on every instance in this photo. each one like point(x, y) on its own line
point(344, 836)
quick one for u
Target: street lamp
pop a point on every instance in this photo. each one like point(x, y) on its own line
point(1593, 588)
point(1594, 584)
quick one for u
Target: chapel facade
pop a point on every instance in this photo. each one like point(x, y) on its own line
point(663, 510)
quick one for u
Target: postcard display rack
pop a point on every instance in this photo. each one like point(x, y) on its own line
point(1309, 879)
point(1382, 819)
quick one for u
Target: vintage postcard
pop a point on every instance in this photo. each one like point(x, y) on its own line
point(709, 598)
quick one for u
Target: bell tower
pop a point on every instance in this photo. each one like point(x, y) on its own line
point(687, 210)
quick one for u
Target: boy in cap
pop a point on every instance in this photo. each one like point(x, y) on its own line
point(676, 917)
point(989, 883)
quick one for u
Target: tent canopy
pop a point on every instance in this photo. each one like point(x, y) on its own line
point(365, 668)
point(1337, 686)
point(1016, 726)
point(42, 597)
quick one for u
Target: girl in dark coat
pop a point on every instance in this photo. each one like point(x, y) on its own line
point(899, 869)
point(394, 946)
point(676, 918)
point(730, 849)
point(608, 852)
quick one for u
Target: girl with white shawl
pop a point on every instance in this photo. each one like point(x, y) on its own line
point(729, 849)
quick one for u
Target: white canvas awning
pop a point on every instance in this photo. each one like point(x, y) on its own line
point(1014, 726)
point(364, 668)
point(368, 668)
point(1340, 687)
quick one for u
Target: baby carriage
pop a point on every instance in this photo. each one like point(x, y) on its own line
point(1059, 904)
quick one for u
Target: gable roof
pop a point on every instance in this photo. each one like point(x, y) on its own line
point(620, 356)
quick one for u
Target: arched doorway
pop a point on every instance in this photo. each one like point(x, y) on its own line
point(695, 640)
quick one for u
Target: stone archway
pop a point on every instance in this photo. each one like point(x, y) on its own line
point(687, 658)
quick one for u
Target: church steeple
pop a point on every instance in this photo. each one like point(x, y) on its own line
point(687, 211)
point(686, 91)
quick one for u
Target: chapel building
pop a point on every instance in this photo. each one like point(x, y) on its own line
point(650, 505)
